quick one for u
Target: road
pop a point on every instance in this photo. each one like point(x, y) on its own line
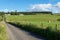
point(19, 34)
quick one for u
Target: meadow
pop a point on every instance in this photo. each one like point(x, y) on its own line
point(44, 24)
point(46, 20)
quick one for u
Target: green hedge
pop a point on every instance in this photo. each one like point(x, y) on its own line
point(48, 32)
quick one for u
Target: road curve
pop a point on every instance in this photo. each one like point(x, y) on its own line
point(18, 34)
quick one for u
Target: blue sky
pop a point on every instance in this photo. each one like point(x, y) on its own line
point(29, 5)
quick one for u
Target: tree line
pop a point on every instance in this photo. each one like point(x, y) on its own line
point(24, 13)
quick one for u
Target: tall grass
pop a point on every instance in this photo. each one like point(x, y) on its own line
point(1, 18)
point(49, 32)
point(3, 32)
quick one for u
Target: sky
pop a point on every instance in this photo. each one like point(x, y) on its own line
point(30, 5)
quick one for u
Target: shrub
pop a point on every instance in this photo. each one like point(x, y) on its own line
point(58, 19)
point(48, 32)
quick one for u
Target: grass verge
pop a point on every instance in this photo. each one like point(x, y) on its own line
point(3, 31)
point(48, 32)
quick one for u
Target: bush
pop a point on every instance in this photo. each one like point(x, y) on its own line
point(48, 32)
point(58, 19)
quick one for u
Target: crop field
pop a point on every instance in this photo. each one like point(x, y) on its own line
point(38, 23)
point(3, 32)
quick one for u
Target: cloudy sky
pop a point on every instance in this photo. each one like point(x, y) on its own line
point(30, 5)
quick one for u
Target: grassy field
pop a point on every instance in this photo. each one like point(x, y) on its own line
point(47, 20)
point(3, 31)
point(45, 25)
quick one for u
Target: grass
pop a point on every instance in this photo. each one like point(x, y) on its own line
point(45, 25)
point(0, 18)
point(3, 31)
point(35, 19)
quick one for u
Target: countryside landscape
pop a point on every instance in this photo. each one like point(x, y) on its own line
point(36, 24)
point(46, 25)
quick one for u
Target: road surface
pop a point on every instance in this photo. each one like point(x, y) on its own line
point(19, 34)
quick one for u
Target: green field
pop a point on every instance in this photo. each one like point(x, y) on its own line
point(45, 25)
point(36, 19)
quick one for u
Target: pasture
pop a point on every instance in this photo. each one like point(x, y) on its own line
point(47, 20)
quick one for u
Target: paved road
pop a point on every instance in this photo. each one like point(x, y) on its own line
point(18, 34)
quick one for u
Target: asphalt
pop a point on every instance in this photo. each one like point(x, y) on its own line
point(19, 34)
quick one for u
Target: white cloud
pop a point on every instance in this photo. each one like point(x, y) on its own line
point(58, 4)
point(45, 7)
point(41, 7)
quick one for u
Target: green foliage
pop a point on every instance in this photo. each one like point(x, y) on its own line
point(3, 32)
point(58, 19)
point(34, 13)
point(44, 25)
point(14, 13)
point(1, 13)
point(49, 33)
point(1, 18)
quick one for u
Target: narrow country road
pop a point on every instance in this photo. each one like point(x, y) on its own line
point(18, 34)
